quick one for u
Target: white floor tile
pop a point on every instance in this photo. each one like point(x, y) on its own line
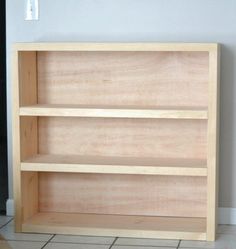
point(227, 229)
point(20, 244)
point(146, 242)
point(83, 239)
point(141, 247)
point(74, 246)
point(7, 233)
point(224, 241)
point(4, 219)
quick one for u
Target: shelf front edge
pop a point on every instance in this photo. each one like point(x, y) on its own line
point(113, 113)
point(114, 169)
point(67, 230)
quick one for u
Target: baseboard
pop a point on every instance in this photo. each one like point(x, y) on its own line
point(227, 216)
point(10, 207)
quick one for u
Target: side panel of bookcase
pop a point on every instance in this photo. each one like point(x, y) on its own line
point(213, 136)
point(29, 180)
point(25, 142)
point(16, 141)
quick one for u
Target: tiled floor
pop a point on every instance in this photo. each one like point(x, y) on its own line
point(9, 240)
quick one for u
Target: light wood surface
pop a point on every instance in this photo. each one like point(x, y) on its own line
point(16, 142)
point(123, 194)
point(28, 132)
point(115, 165)
point(25, 134)
point(117, 225)
point(28, 78)
point(144, 46)
point(123, 137)
point(213, 145)
point(123, 78)
point(29, 136)
point(29, 185)
point(123, 131)
point(29, 180)
point(53, 110)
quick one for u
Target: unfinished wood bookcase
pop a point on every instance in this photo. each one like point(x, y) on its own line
point(116, 139)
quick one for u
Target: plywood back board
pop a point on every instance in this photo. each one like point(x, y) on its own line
point(122, 194)
point(123, 137)
point(123, 78)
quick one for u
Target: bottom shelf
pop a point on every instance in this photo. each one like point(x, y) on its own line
point(117, 225)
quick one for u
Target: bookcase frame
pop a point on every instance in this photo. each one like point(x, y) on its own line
point(26, 180)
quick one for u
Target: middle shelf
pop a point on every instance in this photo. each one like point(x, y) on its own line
point(115, 165)
point(114, 111)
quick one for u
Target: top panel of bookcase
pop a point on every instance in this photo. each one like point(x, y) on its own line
point(116, 46)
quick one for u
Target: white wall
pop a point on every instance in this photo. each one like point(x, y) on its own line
point(140, 20)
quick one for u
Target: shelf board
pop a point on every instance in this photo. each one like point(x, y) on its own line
point(115, 165)
point(117, 225)
point(113, 111)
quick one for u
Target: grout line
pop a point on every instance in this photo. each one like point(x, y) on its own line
point(80, 243)
point(6, 223)
point(113, 242)
point(178, 244)
point(24, 240)
point(48, 241)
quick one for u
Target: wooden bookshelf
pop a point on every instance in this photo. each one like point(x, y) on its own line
point(116, 139)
